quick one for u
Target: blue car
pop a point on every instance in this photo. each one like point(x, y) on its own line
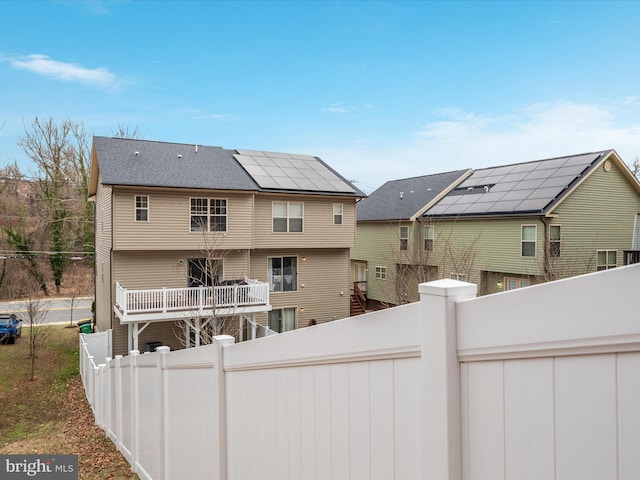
point(10, 328)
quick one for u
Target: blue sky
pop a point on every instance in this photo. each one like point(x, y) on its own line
point(379, 90)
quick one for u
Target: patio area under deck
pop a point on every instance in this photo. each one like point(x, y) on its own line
point(139, 308)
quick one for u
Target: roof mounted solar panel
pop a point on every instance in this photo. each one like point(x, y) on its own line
point(286, 171)
point(516, 189)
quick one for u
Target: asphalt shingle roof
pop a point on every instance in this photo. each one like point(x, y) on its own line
point(162, 164)
point(401, 199)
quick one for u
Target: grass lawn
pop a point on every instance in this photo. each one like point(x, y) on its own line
point(50, 415)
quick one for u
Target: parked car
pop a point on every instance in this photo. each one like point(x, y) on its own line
point(10, 328)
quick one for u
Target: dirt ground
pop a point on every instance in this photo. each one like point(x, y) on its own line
point(50, 414)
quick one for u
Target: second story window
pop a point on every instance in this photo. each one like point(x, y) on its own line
point(208, 215)
point(337, 214)
point(428, 238)
point(142, 208)
point(529, 233)
point(287, 216)
point(555, 236)
point(404, 238)
point(283, 274)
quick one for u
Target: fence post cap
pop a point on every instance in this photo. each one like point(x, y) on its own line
point(447, 287)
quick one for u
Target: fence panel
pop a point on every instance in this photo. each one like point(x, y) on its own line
point(306, 404)
point(125, 402)
point(191, 423)
point(148, 415)
point(552, 393)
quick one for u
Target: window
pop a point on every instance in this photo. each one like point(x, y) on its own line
point(607, 259)
point(555, 236)
point(513, 283)
point(208, 215)
point(204, 272)
point(529, 233)
point(337, 214)
point(381, 273)
point(458, 276)
point(282, 319)
point(283, 274)
point(428, 238)
point(404, 238)
point(142, 208)
point(287, 216)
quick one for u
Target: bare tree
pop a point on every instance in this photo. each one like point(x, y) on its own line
point(127, 131)
point(36, 312)
point(207, 273)
point(429, 254)
point(60, 151)
point(72, 301)
point(635, 167)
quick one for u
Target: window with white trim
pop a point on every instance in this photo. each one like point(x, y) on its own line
point(287, 216)
point(142, 208)
point(208, 215)
point(337, 213)
point(606, 259)
point(528, 240)
point(458, 276)
point(404, 238)
point(555, 237)
point(429, 236)
point(283, 274)
point(381, 273)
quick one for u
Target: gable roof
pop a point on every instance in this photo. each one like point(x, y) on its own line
point(144, 163)
point(531, 188)
point(408, 197)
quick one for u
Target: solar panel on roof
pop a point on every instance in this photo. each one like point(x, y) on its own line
point(517, 188)
point(290, 172)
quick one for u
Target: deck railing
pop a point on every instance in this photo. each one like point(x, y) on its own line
point(251, 292)
point(631, 256)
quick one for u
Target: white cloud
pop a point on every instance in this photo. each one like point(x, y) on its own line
point(66, 72)
point(455, 139)
point(337, 108)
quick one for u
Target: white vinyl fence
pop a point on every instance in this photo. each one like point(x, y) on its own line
point(542, 382)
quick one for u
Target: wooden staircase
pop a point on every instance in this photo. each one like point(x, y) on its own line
point(358, 302)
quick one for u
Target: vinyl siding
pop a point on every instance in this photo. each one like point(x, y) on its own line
point(148, 270)
point(379, 245)
point(168, 226)
point(471, 246)
point(599, 215)
point(144, 270)
point(318, 228)
point(325, 276)
point(103, 258)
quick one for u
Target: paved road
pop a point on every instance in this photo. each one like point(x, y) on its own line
point(58, 310)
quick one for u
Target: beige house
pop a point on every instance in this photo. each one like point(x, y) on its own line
point(501, 227)
point(194, 240)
